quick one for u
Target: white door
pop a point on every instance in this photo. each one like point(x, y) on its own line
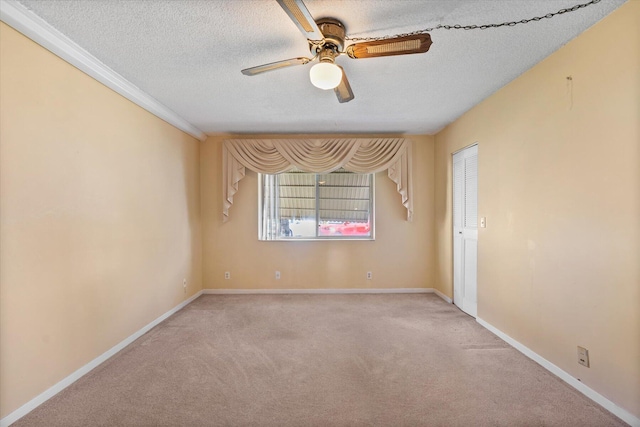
point(465, 229)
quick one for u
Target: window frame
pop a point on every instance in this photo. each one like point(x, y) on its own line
point(318, 237)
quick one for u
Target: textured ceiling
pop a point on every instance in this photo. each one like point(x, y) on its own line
point(188, 55)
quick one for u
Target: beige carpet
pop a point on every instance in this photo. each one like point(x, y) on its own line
point(319, 360)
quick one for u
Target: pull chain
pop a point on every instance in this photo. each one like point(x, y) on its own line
point(478, 27)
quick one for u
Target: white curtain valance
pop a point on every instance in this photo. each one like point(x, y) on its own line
point(273, 156)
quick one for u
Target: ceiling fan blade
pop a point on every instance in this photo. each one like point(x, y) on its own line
point(343, 90)
point(274, 66)
point(395, 46)
point(299, 14)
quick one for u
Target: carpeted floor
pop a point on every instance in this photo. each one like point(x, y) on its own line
point(319, 360)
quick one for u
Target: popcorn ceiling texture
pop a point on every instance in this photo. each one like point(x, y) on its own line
point(188, 55)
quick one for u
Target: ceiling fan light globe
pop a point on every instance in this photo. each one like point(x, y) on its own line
point(325, 75)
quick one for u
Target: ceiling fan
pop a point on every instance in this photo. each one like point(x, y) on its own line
point(326, 37)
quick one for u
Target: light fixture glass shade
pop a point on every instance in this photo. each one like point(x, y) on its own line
point(325, 75)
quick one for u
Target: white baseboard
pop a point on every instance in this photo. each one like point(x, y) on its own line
point(319, 291)
point(75, 376)
point(443, 296)
point(621, 413)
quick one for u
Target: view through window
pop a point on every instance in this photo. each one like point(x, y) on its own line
point(299, 205)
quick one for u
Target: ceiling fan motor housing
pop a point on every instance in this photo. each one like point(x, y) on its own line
point(334, 34)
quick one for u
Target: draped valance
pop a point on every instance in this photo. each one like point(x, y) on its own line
point(273, 156)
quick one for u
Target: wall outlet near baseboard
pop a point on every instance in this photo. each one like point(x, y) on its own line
point(227, 275)
point(369, 275)
point(277, 275)
point(184, 285)
point(583, 356)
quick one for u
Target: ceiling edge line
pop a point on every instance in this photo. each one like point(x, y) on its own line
point(37, 29)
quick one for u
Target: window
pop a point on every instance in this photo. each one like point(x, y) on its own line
point(307, 206)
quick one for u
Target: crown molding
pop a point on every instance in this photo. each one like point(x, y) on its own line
point(28, 23)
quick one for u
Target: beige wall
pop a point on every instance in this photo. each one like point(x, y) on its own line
point(99, 221)
point(402, 256)
point(559, 183)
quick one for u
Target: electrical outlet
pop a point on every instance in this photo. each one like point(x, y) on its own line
point(227, 275)
point(184, 285)
point(583, 356)
point(277, 275)
point(369, 275)
point(483, 222)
